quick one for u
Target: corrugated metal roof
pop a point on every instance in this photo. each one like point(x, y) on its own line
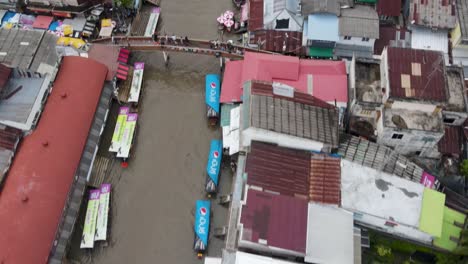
point(360, 21)
point(392, 37)
point(9, 139)
point(389, 7)
point(275, 221)
point(106, 55)
point(462, 12)
point(5, 72)
point(255, 15)
point(306, 119)
point(325, 179)
point(379, 157)
point(433, 13)
point(274, 40)
point(40, 178)
point(277, 169)
point(418, 74)
point(427, 39)
point(324, 6)
point(451, 142)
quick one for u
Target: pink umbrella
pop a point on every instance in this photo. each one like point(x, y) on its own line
point(229, 24)
point(229, 14)
point(221, 19)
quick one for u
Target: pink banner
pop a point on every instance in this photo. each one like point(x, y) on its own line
point(427, 180)
point(139, 65)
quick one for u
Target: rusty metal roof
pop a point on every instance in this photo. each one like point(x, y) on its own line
point(325, 179)
point(275, 41)
point(433, 13)
point(392, 37)
point(451, 142)
point(9, 139)
point(5, 72)
point(417, 74)
point(388, 7)
point(278, 169)
point(275, 220)
point(302, 116)
point(255, 15)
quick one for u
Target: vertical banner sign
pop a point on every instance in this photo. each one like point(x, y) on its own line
point(87, 239)
point(127, 136)
point(119, 126)
point(427, 180)
point(214, 165)
point(136, 82)
point(212, 91)
point(103, 213)
point(202, 225)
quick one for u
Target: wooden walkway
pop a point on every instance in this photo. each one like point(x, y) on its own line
point(99, 171)
point(194, 46)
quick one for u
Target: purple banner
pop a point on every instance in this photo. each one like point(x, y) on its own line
point(105, 188)
point(132, 117)
point(139, 65)
point(94, 194)
point(427, 180)
point(124, 110)
point(156, 10)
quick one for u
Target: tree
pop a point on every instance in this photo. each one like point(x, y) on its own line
point(464, 168)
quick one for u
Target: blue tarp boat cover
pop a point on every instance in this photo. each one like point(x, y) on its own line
point(8, 15)
point(214, 160)
point(202, 224)
point(212, 91)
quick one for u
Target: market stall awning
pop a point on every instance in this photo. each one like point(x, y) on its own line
point(42, 22)
point(122, 71)
point(123, 56)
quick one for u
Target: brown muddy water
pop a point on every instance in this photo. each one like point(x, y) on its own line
point(152, 204)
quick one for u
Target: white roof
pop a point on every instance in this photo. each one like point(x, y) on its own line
point(426, 39)
point(231, 133)
point(246, 258)
point(380, 194)
point(212, 260)
point(330, 235)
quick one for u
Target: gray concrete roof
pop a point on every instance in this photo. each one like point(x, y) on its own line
point(462, 12)
point(324, 6)
point(360, 21)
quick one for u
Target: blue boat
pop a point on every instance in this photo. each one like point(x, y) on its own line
point(202, 226)
point(213, 166)
point(212, 94)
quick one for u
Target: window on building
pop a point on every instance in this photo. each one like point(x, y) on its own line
point(449, 120)
point(282, 23)
point(417, 153)
point(347, 37)
point(397, 136)
point(365, 39)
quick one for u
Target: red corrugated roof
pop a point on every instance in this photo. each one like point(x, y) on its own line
point(255, 15)
point(325, 179)
point(42, 22)
point(417, 74)
point(278, 169)
point(106, 55)
point(274, 40)
point(389, 7)
point(387, 34)
point(279, 220)
point(35, 191)
point(451, 141)
point(328, 79)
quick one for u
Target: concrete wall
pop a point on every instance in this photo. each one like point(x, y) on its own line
point(357, 41)
point(384, 81)
point(459, 117)
point(293, 26)
point(428, 108)
point(253, 133)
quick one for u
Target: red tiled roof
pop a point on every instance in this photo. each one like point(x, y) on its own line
point(274, 40)
point(418, 74)
point(328, 80)
point(451, 141)
point(325, 179)
point(37, 186)
point(389, 7)
point(386, 35)
point(279, 220)
point(255, 15)
point(278, 169)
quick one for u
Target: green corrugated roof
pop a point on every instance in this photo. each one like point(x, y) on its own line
point(321, 52)
point(226, 114)
point(449, 229)
point(432, 212)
